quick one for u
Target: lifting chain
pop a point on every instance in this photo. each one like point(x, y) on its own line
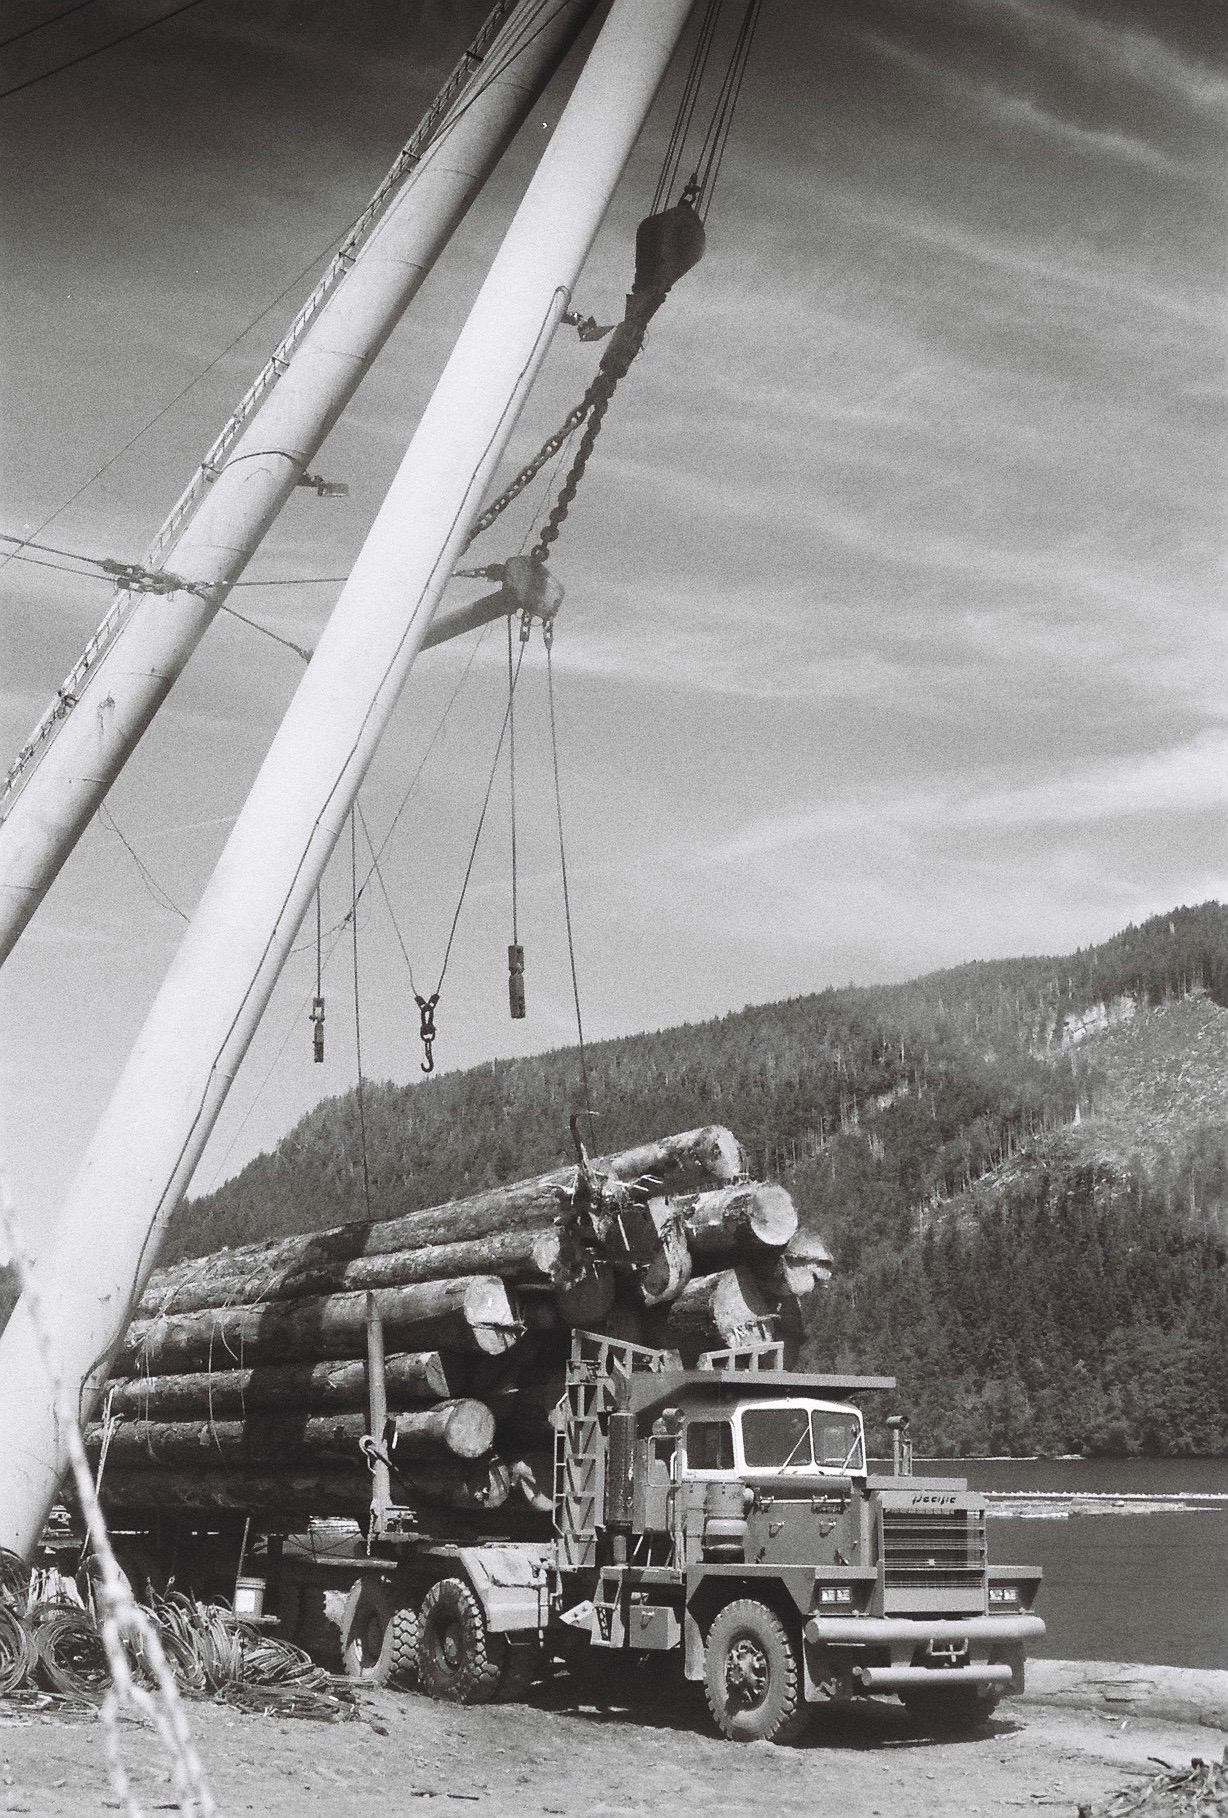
point(667, 245)
point(596, 403)
point(527, 475)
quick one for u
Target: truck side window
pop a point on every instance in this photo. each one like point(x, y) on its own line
point(663, 1450)
point(709, 1445)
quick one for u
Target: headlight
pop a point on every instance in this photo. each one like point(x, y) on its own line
point(835, 1593)
point(1004, 1594)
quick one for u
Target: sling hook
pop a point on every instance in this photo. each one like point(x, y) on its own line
point(426, 1032)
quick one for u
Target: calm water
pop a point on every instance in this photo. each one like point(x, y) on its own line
point(1149, 1588)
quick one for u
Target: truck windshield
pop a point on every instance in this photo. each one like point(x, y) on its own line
point(777, 1438)
point(801, 1438)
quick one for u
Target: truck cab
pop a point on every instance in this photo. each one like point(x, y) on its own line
point(727, 1514)
point(739, 1505)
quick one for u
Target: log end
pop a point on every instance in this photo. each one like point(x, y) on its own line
point(772, 1219)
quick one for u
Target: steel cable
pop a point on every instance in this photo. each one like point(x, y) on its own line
point(98, 49)
point(43, 24)
point(70, 1655)
point(571, 945)
point(14, 1581)
point(16, 1651)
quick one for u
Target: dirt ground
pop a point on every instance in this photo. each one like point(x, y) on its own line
point(560, 1757)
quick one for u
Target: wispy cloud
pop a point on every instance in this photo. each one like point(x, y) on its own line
point(1151, 63)
point(1016, 112)
point(1183, 780)
point(1019, 112)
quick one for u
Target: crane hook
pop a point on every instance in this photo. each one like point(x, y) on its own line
point(426, 1031)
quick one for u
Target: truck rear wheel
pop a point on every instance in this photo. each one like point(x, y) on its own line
point(751, 1676)
point(950, 1710)
point(459, 1660)
point(366, 1632)
point(404, 1632)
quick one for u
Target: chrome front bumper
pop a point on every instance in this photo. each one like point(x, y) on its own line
point(912, 1678)
point(900, 1631)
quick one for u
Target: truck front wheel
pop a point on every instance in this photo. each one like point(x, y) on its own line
point(751, 1676)
point(459, 1661)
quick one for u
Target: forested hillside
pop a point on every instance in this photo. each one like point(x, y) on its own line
point(1028, 1230)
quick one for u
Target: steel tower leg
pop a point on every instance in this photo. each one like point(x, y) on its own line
point(75, 758)
point(151, 1136)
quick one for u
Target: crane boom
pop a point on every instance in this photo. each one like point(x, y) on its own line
point(143, 644)
point(151, 1135)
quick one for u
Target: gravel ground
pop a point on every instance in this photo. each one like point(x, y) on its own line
point(559, 1757)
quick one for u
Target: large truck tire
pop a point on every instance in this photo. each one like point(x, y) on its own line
point(369, 1632)
point(751, 1676)
point(950, 1710)
point(404, 1634)
point(459, 1660)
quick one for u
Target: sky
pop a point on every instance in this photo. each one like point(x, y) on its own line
point(892, 634)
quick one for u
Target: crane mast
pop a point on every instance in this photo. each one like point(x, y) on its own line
point(152, 1133)
point(142, 646)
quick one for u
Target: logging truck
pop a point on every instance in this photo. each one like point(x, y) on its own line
point(723, 1515)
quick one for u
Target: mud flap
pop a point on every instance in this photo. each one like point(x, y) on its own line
point(693, 1647)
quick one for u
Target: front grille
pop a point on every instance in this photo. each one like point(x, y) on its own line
point(933, 1549)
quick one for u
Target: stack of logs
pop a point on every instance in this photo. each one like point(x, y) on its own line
point(242, 1383)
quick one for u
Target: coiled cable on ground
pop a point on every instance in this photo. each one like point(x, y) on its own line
point(70, 1656)
point(16, 1651)
point(14, 1581)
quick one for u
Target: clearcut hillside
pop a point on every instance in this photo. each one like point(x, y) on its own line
point(1021, 1167)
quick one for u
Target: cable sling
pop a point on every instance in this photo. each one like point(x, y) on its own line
point(515, 952)
point(558, 813)
point(362, 1109)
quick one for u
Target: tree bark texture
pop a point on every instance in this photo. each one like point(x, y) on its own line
point(583, 1280)
point(693, 1159)
point(808, 1247)
point(289, 1497)
point(743, 1220)
point(517, 1256)
point(713, 1312)
point(472, 1313)
point(648, 1246)
point(295, 1494)
point(414, 1376)
point(460, 1429)
point(783, 1277)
